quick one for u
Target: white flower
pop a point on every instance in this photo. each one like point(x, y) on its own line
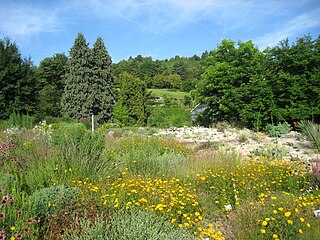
point(228, 207)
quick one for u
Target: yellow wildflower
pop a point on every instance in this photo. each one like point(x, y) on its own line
point(287, 214)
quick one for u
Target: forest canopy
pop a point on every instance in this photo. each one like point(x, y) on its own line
point(237, 81)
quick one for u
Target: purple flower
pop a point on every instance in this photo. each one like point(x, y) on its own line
point(2, 215)
point(18, 236)
point(19, 212)
point(29, 221)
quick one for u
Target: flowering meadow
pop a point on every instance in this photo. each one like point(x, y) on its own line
point(62, 181)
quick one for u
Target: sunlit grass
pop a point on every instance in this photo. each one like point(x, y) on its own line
point(212, 193)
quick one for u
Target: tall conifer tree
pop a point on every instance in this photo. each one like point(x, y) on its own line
point(89, 82)
point(101, 98)
point(78, 79)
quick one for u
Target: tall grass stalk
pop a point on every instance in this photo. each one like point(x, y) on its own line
point(79, 152)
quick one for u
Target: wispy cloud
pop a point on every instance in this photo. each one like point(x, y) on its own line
point(293, 27)
point(157, 16)
point(23, 20)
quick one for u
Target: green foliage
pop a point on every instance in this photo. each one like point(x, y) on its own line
point(311, 131)
point(18, 86)
point(244, 85)
point(276, 215)
point(167, 187)
point(50, 76)
point(179, 95)
point(178, 72)
point(226, 94)
point(271, 152)
point(121, 115)
point(127, 224)
point(47, 200)
point(151, 156)
point(21, 121)
point(278, 130)
point(169, 117)
point(89, 81)
point(101, 98)
point(79, 152)
point(131, 108)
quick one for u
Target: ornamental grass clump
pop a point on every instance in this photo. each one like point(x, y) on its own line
point(150, 156)
point(81, 150)
point(311, 131)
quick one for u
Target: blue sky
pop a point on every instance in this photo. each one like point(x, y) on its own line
point(157, 28)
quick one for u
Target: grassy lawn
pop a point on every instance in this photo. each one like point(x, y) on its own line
point(169, 93)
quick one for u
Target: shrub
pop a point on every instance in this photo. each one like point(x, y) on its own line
point(169, 117)
point(50, 199)
point(66, 218)
point(270, 152)
point(127, 224)
point(278, 130)
point(243, 136)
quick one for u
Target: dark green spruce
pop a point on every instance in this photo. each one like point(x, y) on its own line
point(89, 82)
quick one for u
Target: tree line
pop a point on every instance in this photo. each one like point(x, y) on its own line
point(244, 85)
point(237, 82)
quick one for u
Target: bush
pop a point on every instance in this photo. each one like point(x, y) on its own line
point(271, 152)
point(127, 224)
point(169, 117)
point(48, 200)
point(278, 130)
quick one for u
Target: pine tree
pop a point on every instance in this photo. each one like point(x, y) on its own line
point(78, 79)
point(89, 82)
point(101, 98)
